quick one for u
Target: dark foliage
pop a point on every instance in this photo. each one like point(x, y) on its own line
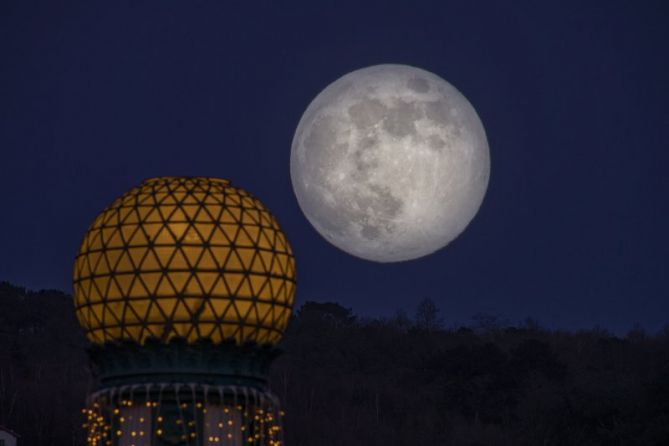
point(346, 381)
point(44, 373)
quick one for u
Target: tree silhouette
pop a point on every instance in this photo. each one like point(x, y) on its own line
point(350, 381)
point(427, 316)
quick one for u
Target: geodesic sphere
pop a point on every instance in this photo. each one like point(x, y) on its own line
point(194, 258)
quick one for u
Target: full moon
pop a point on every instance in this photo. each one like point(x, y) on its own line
point(390, 163)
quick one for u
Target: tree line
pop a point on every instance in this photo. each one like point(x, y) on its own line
point(406, 380)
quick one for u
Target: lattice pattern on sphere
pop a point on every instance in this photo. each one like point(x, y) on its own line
point(184, 257)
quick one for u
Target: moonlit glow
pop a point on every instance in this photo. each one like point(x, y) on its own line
point(390, 163)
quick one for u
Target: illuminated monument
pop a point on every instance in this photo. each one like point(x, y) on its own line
point(184, 286)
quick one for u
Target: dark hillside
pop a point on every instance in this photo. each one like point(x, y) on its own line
point(345, 381)
point(385, 383)
point(44, 373)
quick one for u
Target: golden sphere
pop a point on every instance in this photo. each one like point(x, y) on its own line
point(187, 257)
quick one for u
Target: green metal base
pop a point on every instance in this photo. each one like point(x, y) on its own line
point(128, 363)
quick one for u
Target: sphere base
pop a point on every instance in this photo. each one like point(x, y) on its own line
point(128, 363)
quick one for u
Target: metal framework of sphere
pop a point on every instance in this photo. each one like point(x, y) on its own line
point(184, 257)
point(184, 285)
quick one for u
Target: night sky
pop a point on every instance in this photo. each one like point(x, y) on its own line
point(97, 96)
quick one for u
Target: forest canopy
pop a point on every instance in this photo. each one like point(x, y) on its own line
point(345, 380)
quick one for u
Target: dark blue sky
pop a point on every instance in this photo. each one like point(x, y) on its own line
point(96, 96)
